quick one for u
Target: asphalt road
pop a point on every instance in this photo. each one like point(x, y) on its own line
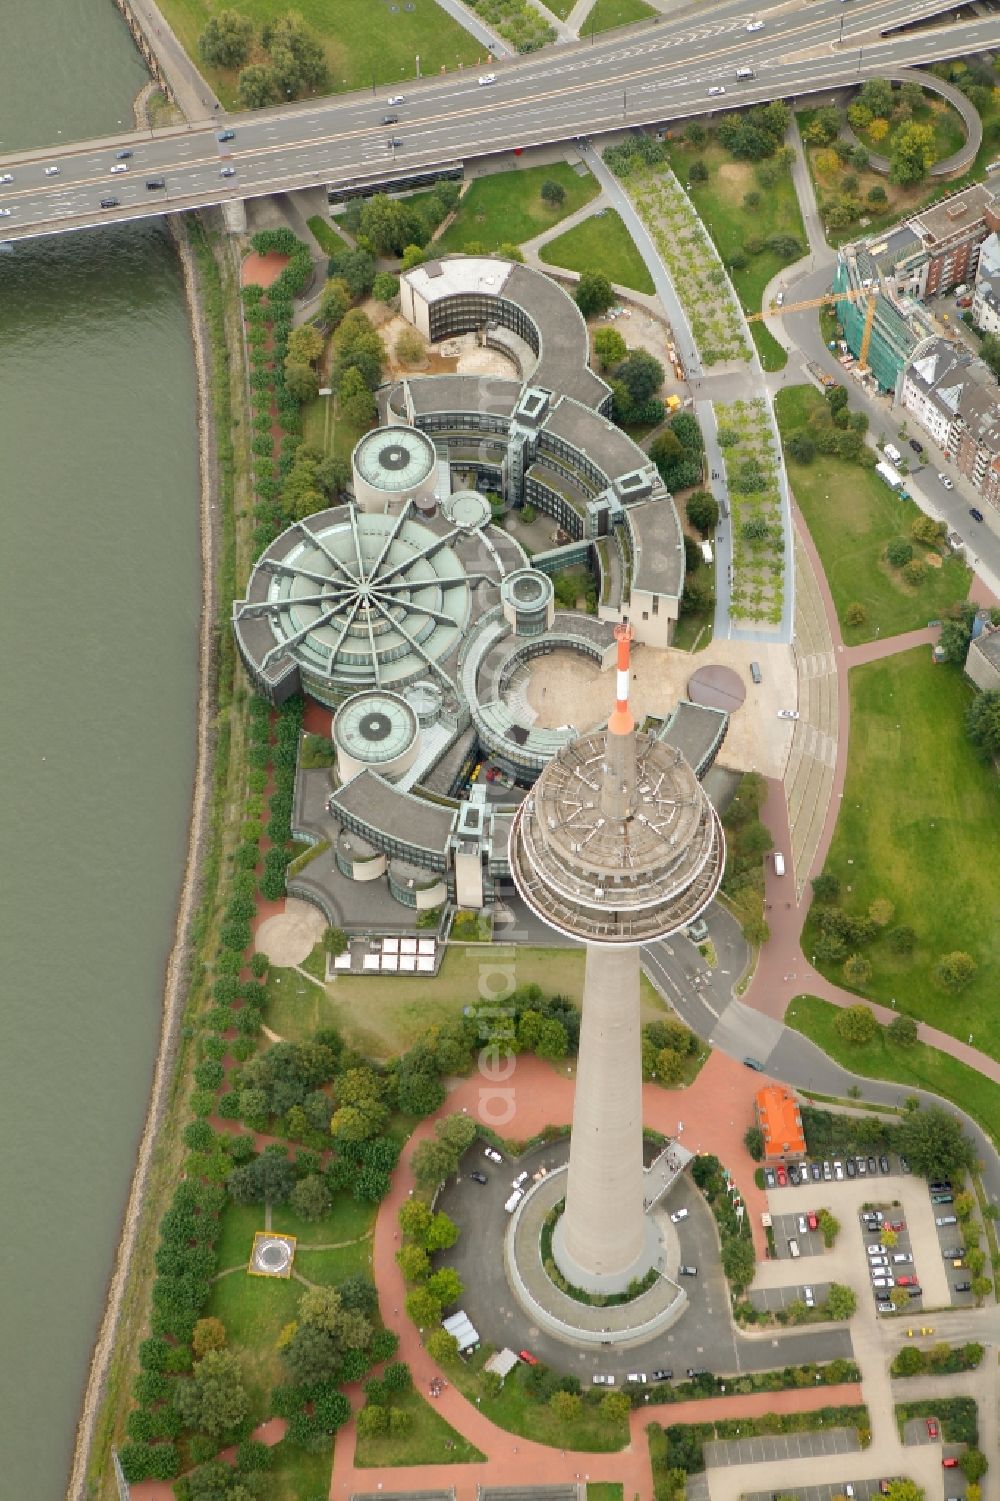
point(661, 72)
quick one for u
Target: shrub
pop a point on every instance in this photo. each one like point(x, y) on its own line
point(856, 1024)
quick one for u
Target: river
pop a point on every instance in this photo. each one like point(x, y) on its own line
point(100, 588)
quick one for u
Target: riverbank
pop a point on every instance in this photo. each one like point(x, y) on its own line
point(141, 1214)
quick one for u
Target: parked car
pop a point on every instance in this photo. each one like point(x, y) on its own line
point(838, 1171)
point(663, 1375)
point(794, 1173)
point(852, 1171)
point(946, 1219)
point(942, 1198)
point(788, 713)
point(803, 1227)
point(956, 1251)
point(932, 1428)
point(812, 1220)
point(809, 1297)
point(769, 1177)
point(915, 1292)
point(678, 1215)
point(904, 1163)
point(492, 1154)
point(883, 1305)
point(872, 1165)
point(946, 482)
point(694, 1371)
point(527, 1357)
point(521, 1178)
point(897, 1225)
point(603, 1380)
point(939, 1185)
point(687, 1271)
point(963, 1287)
point(949, 1462)
point(917, 446)
point(817, 1175)
point(827, 1172)
point(638, 1377)
point(975, 513)
point(907, 1281)
point(862, 1166)
point(479, 1177)
point(782, 1175)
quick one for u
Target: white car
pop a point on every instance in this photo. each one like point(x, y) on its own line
point(946, 482)
point(51, 171)
point(228, 172)
point(397, 99)
point(715, 91)
point(484, 79)
point(603, 1380)
point(118, 168)
point(874, 1249)
point(755, 26)
point(803, 1227)
point(678, 1215)
point(788, 713)
point(639, 1377)
point(492, 1154)
point(809, 1297)
point(521, 1178)
point(838, 1171)
point(5, 213)
point(6, 177)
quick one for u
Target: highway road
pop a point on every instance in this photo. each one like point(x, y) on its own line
point(659, 73)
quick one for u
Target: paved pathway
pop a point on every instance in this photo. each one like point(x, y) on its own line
point(194, 96)
point(476, 27)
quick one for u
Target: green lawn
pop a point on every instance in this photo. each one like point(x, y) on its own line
point(298, 1475)
point(327, 237)
point(719, 201)
point(347, 1221)
point(919, 825)
point(606, 14)
point(560, 8)
point(385, 1016)
point(916, 1067)
point(852, 515)
point(363, 38)
point(694, 626)
point(325, 429)
point(605, 1490)
point(431, 1441)
point(240, 1222)
point(518, 1411)
point(507, 207)
point(601, 243)
point(331, 1267)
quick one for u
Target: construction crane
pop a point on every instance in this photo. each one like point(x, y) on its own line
point(830, 299)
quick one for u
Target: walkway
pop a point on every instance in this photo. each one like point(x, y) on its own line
point(192, 93)
point(476, 27)
point(948, 166)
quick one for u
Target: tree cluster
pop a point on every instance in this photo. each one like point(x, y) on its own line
point(747, 841)
point(753, 134)
point(734, 1232)
point(293, 61)
point(678, 454)
point(666, 1048)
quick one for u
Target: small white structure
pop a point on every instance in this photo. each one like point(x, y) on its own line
point(502, 1363)
point(461, 1328)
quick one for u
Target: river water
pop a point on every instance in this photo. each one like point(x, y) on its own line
point(100, 593)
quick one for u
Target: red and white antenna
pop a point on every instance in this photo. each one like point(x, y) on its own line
point(621, 721)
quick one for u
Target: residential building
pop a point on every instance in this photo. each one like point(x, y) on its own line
point(939, 247)
point(982, 664)
point(986, 296)
point(955, 399)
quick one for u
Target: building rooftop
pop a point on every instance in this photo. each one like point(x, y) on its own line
point(988, 645)
point(611, 450)
point(462, 393)
point(954, 214)
point(657, 547)
point(401, 819)
point(780, 1121)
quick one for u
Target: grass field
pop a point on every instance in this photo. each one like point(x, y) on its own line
point(560, 8)
point(852, 515)
point(917, 1067)
point(919, 824)
point(719, 201)
point(326, 235)
point(386, 1016)
point(363, 39)
point(298, 1475)
point(507, 207)
point(431, 1441)
point(518, 1411)
point(605, 14)
point(605, 1490)
point(601, 243)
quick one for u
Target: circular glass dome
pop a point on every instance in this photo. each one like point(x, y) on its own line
point(395, 459)
point(375, 728)
point(467, 509)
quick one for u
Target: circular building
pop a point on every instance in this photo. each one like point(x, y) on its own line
point(342, 603)
point(528, 599)
point(394, 464)
point(377, 730)
point(717, 687)
point(467, 509)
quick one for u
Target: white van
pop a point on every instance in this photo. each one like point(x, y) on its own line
point(793, 1248)
point(514, 1200)
point(744, 73)
point(706, 552)
point(892, 453)
point(779, 863)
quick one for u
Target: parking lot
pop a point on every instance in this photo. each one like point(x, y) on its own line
point(773, 1298)
point(886, 1266)
point(864, 1490)
point(815, 1445)
point(790, 1228)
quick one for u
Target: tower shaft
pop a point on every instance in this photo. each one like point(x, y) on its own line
point(601, 1233)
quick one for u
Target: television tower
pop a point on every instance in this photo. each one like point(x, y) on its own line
point(616, 845)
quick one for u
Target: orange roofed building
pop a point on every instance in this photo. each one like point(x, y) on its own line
point(779, 1119)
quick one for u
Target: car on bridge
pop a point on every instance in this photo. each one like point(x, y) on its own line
point(5, 212)
point(51, 171)
point(755, 26)
point(228, 172)
point(123, 155)
point(484, 79)
point(6, 177)
point(119, 168)
point(225, 135)
point(396, 99)
point(716, 90)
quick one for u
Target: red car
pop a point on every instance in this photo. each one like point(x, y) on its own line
point(527, 1357)
point(782, 1175)
point(812, 1220)
point(909, 1282)
point(897, 1225)
point(951, 1463)
point(932, 1428)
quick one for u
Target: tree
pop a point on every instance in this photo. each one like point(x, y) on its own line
point(702, 511)
point(856, 614)
point(441, 1233)
point(301, 380)
point(973, 1464)
point(911, 155)
point(695, 134)
point(413, 255)
point(841, 1301)
point(445, 1285)
point(888, 1237)
point(857, 970)
point(981, 1288)
point(642, 375)
point(901, 939)
point(982, 722)
point(594, 293)
point(297, 54)
point(902, 1031)
point(214, 1399)
point(899, 551)
point(610, 348)
point(257, 86)
point(388, 225)
point(373, 1420)
point(305, 343)
point(989, 350)
point(899, 1298)
point(738, 1262)
point(826, 886)
point(856, 1024)
point(357, 404)
point(334, 301)
point(414, 1262)
point(310, 1198)
point(565, 1406)
point(615, 1406)
point(829, 1227)
point(698, 172)
point(900, 1489)
point(355, 268)
point(909, 1361)
point(954, 971)
point(422, 1308)
point(458, 1132)
point(934, 1142)
point(442, 1347)
point(209, 1334)
point(552, 192)
point(753, 1140)
point(226, 40)
point(881, 912)
point(264, 1178)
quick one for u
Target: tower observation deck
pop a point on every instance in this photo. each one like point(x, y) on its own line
point(617, 845)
